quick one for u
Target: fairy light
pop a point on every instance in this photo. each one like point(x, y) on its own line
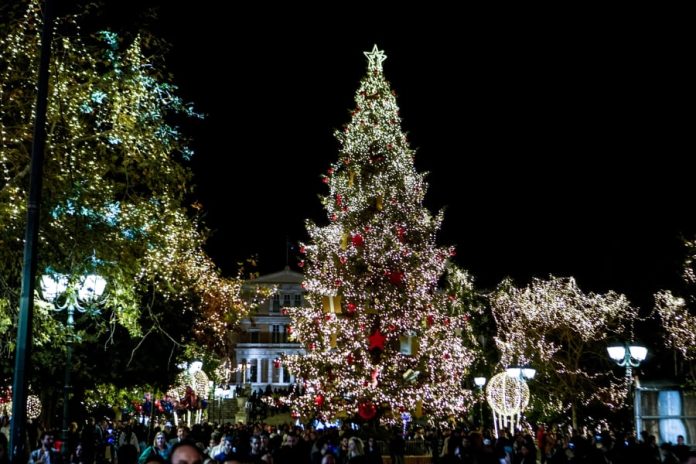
point(549, 324)
point(508, 397)
point(378, 254)
point(114, 180)
point(33, 406)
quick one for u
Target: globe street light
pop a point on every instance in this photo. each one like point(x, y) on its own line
point(68, 295)
point(628, 356)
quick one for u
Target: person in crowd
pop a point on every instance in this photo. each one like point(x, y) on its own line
point(186, 452)
point(356, 451)
point(78, 456)
point(373, 454)
point(46, 454)
point(159, 447)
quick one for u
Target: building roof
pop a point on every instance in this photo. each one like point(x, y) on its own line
point(286, 276)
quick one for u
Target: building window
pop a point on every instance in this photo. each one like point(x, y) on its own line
point(275, 307)
point(298, 300)
point(275, 334)
point(286, 334)
point(254, 336)
point(286, 300)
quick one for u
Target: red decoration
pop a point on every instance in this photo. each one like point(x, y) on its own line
point(396, 277)
point(357, 240)
point(400, 233)
point(303, 250)
point(276, 363)
point(350, 307)
point(295, 414)
point(367, 410)
point(376, 340)
point(430, 319)
point(284, 312)
point(343, 259)
point(330, 171)
point(339, 199)
point(325, 180)
point(301, 263)
point(319, 400)
point(338, 282)
point(349, 359)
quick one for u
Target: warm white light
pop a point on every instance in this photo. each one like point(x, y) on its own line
point(637, 352)
point(514, 372)
point(617, 352)
point(528, 373)
point(92, 287)
point(195, 366)
point(480, 381)
point(52, 287)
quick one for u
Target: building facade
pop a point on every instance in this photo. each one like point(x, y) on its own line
point(264, 337)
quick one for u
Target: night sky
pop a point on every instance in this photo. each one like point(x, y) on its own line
point(557, 143)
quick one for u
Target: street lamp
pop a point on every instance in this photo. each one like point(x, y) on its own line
point(480, 382)
point(521, 373)
point(628, 356)
point(68, 295)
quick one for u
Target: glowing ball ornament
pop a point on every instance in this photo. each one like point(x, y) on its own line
point(508, 397)
point(33, 406)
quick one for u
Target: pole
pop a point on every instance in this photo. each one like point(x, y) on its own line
point(67, 384)
point(17, 450)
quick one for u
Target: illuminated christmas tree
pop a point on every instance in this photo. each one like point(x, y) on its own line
point(381, 339)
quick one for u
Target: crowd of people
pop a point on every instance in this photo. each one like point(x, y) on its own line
point(131, 442)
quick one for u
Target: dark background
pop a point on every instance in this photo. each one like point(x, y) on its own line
point(559, 141)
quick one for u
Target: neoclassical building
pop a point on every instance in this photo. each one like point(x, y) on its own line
point(263, 337)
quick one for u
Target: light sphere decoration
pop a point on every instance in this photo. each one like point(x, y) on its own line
point(33, 406)
point(508, 397)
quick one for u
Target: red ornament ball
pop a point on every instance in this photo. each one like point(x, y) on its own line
point(357, 240)
point(367, 410)
point(319, 400)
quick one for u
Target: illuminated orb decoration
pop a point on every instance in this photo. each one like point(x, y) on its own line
point(508, 397)
point(33, 406)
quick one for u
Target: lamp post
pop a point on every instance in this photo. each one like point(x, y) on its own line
point(628, 355)
point(67, 295)
point(480, 382)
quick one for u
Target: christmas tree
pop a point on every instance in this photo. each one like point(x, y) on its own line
point(381, 340)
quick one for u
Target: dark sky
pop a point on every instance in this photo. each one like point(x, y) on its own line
point(557, 143)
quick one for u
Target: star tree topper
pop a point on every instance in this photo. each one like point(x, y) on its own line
point(375, 58)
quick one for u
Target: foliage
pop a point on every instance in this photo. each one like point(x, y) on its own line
point(115, 189)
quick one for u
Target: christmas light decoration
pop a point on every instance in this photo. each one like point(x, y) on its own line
point(377, 256)
point(114, 177)
point(508, 397)
point(33, 406)
point(679, 324)
point(554, 326)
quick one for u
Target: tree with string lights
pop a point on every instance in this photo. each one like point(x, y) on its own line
point(381, 340)
point(562, 332)
point(115, 188)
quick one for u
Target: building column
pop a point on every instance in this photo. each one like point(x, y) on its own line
point(270, 370)
point(281, 371)
point(258, 370)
